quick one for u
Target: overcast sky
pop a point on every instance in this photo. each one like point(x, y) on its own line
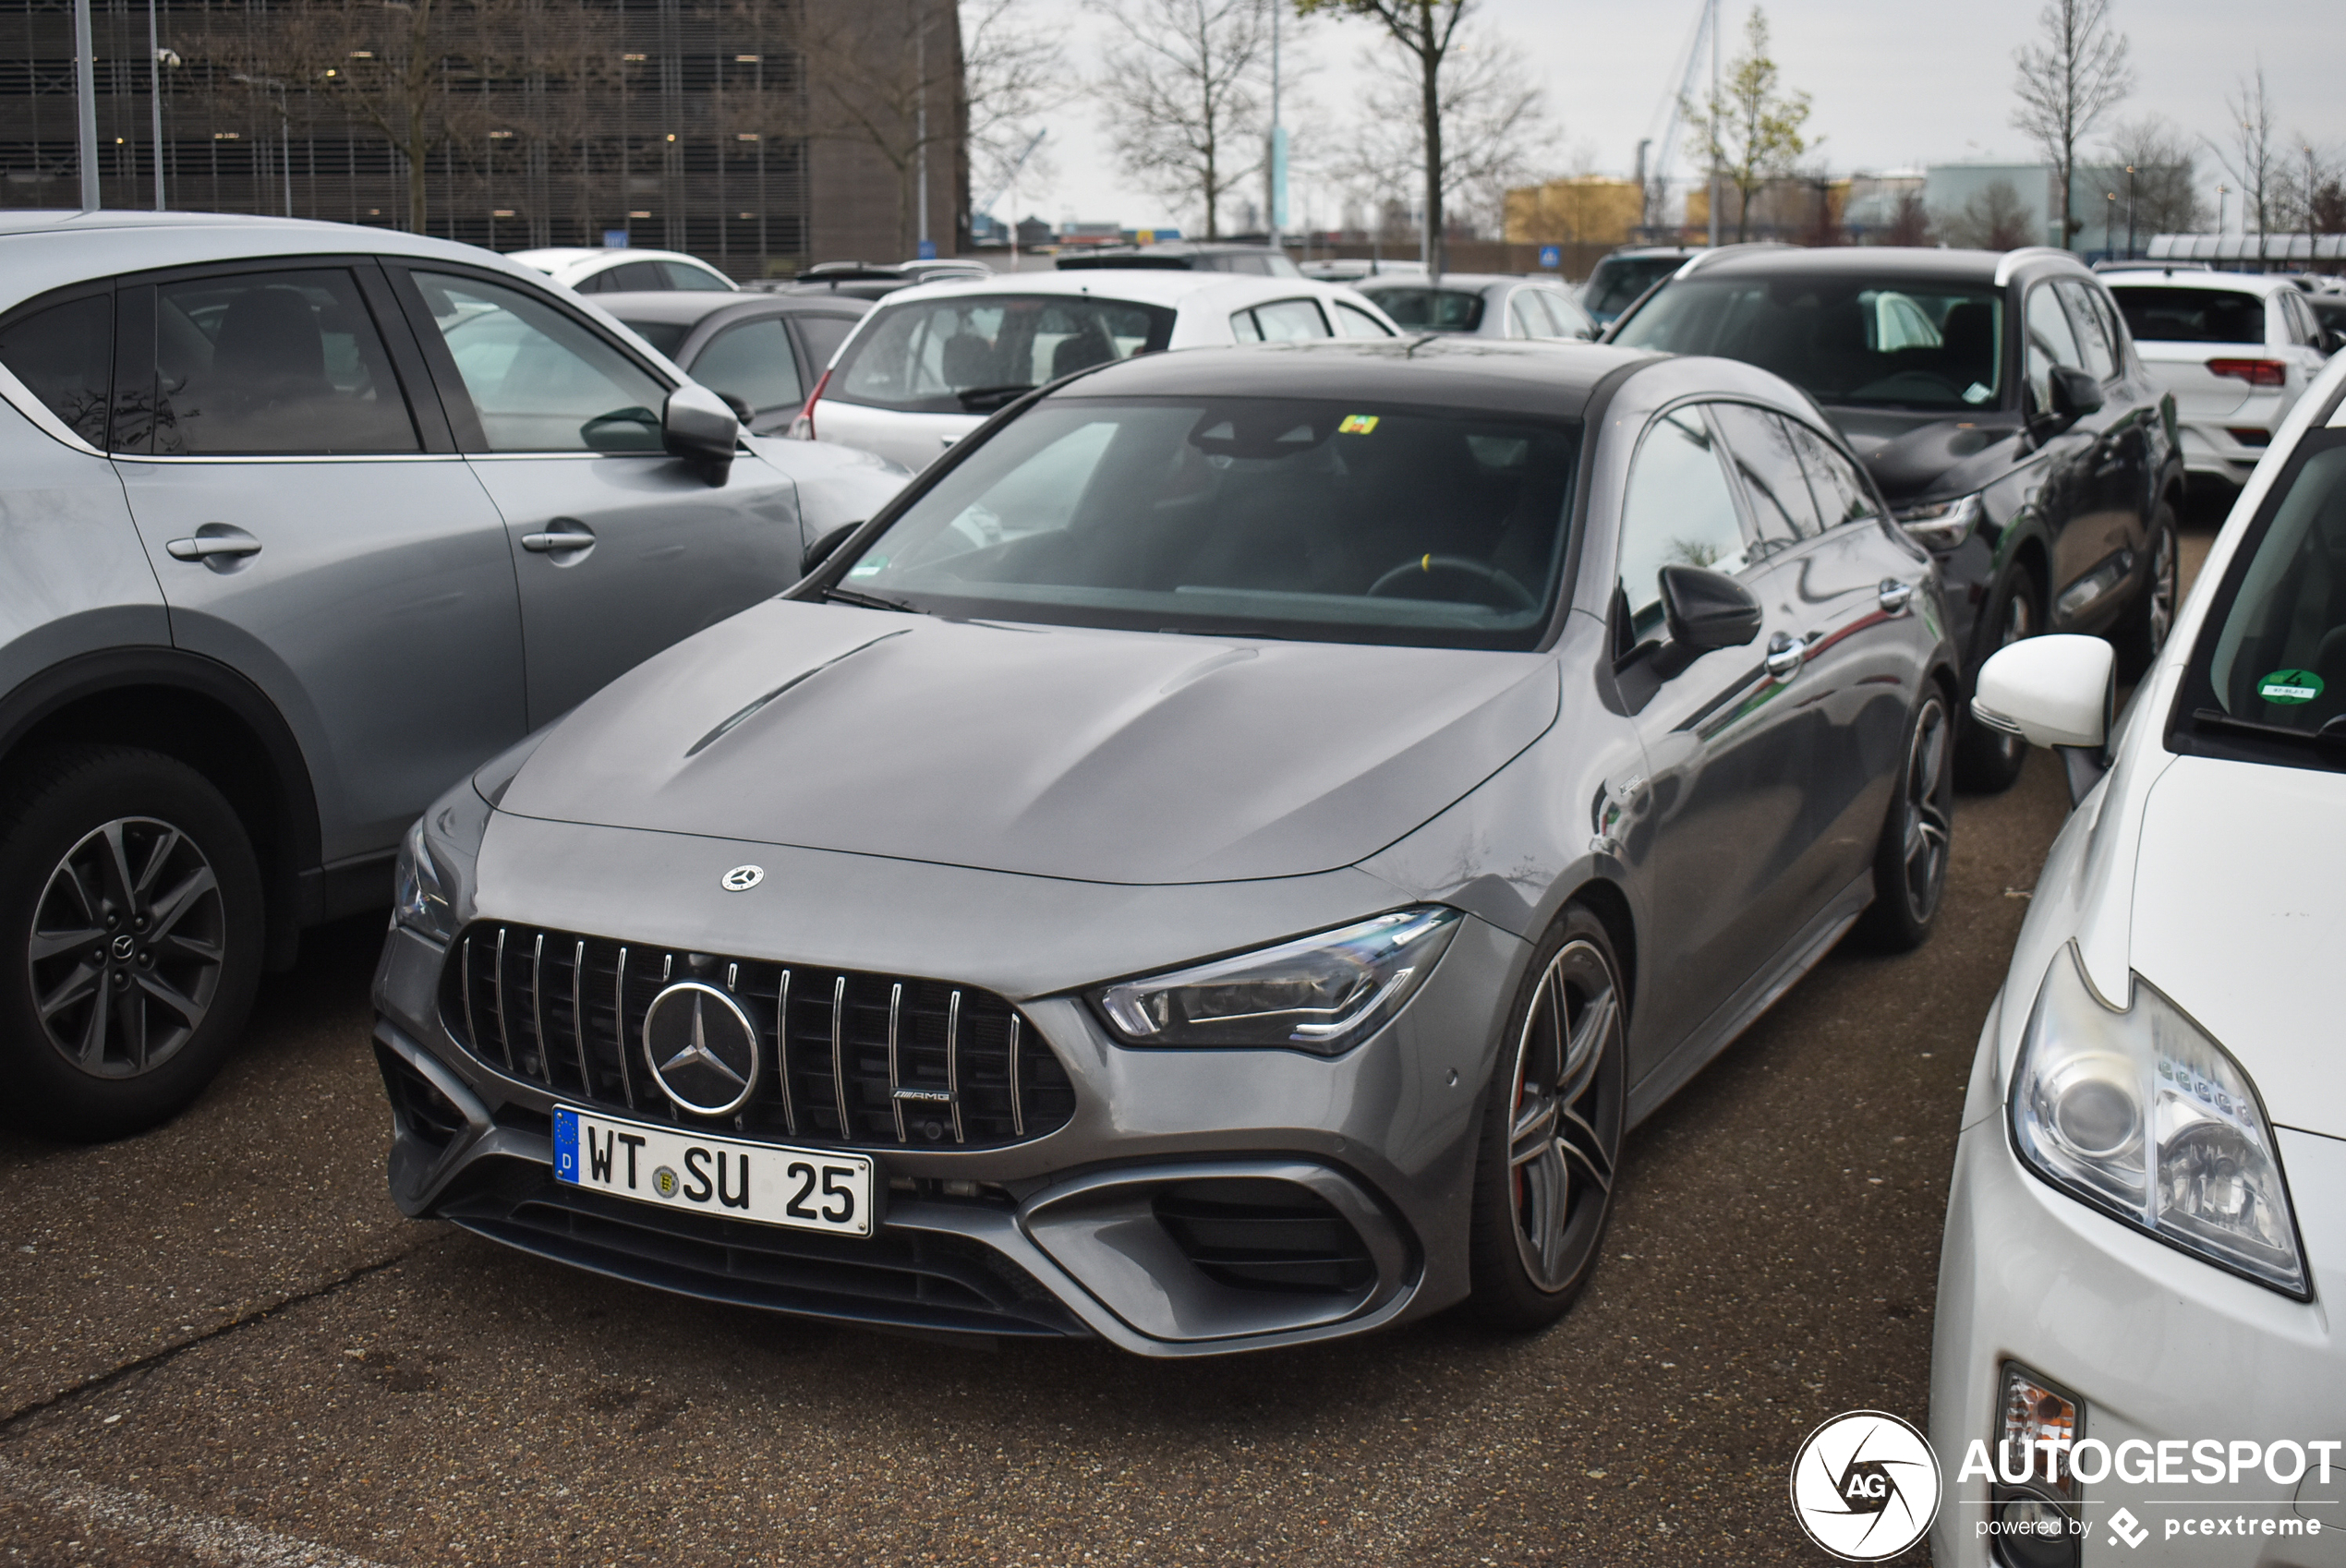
point(1896, 82)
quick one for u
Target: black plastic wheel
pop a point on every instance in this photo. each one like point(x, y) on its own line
point(131, 938)
point(1988, 761)
point(1551, 1129)
point(1910, 863)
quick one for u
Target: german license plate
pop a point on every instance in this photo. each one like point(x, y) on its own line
point(803, 1188)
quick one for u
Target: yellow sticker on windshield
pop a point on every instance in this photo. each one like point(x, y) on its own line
point(1357, 424)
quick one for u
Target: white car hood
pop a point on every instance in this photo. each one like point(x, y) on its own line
point(2238, 915)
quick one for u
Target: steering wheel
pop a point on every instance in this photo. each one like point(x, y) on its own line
point(1514, 595)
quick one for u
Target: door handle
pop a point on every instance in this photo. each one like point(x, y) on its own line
point(1895, 596)
point(1785, 655)
point(563, 535)
point(217, 545)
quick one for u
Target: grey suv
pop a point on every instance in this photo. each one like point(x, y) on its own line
point(299, 523)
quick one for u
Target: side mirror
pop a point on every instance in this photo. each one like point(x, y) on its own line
point(2332, 341)
point(822, 549)
point(696, 424)
point(2075, 393)
point(1707, 609)
point(2059, 691)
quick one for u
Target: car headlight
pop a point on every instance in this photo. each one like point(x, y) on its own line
point(1943, 525)
point(2140, 1114)
point(1322, 994)
point(431, 878)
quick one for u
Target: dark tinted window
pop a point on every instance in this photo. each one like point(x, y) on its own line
point(2275, 649)
point(822, 335)
point(1916, 344)
point(753, 363)
point(665, 336)
point(972, 354)
point(1617, 281)
point(275, 363)
point(1843, 495)
point(1332, 522)
point(65, 357)
point(2093, 329)
point(1678, 511)
point(1430, 309)
point(1761, 449)
point(2191, 315)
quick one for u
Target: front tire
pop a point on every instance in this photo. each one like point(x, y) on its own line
point(1552, 1127)
point(131, 938)
point(1988, 761)
point(1910, 861)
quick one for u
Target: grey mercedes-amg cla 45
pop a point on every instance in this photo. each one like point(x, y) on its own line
point(1220, 861)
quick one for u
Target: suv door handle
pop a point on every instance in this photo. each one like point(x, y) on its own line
point(1785, 655)
point(217, 545)
point(1895, 596)
point(564, 535)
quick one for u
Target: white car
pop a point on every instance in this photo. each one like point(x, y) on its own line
point(2237, 349)
point(931, 363)
point(2146, 1241)
point(624, 271)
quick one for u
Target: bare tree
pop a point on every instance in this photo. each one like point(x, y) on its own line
point(1183, 88)
point(1750, 130)
point(1425, 31)
point(2159, 171)
point(2310, 189)
point(1012, 71)
point(1497, 133)
point(1994, 219)
point(886, 76)
point(2066, 83)
point(2247, 153)
point(1911, 223)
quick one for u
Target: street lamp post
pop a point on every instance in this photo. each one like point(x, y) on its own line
point(86, 91)
point(2108, 217)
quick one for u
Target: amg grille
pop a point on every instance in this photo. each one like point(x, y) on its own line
point(846, 1057)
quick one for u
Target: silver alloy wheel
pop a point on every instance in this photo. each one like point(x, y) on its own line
point(2020, 624)
point(2166, 586)
point(1927, 799)
point(1560, 1166)
point(127, 947)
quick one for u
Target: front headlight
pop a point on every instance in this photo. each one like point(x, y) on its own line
point(418, 894)
point(1322, 994)
point(433, 876)
point(1943, 525)
point(2140, 1114)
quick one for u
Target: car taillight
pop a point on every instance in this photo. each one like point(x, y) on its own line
point(2256, 372)
point(802, 428)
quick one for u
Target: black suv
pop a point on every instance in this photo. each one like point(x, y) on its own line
point(1999, 402)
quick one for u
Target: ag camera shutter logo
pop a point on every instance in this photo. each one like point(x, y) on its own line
point(1865, 1486)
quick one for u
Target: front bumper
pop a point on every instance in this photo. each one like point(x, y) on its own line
point(1060, 1234)
point(2159, 1345)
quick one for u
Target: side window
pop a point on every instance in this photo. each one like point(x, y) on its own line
point(1759, 444)
point(1351, 321)
point(1564, 315)
point(1843, 495)
point(540, 381)
point(822, 335)
point(1243, 327)
point(752, 362)
point(1525, 319)
point(682, 275)
point(1679, 512)
point(65, 357)
point(277, 363)
point(1285, 321)
point(2050, 343)
point(2093, 331)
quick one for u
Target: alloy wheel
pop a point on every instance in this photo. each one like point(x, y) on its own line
point(127, 947)
point(1563, 1144)
point(2166, 587)
point(1927, 795)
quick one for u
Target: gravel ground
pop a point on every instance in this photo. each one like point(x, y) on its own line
point(226, 1348)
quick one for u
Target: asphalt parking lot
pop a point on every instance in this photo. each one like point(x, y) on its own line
point(224, 1346)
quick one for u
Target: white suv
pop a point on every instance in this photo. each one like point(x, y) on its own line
point(931, 363)
point(2236, 349)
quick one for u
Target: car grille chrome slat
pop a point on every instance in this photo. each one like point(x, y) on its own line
point(863, 1059)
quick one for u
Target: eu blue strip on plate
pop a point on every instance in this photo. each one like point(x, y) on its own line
point(565, 1144)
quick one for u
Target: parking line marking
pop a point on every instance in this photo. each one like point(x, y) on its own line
point(222, 1543)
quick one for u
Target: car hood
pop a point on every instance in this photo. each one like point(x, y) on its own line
point(1917, 457)
point(1107, 756)
point(2239, 904)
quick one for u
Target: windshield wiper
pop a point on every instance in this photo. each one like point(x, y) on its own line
point(2330, 734)
point(986, 399)
point(871, 601)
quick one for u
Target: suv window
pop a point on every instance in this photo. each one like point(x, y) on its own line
point(1285, 321)
point(2093, 328)
point(539, 381)
point(65, 357)
point(822, 335)
point(2191, 315)
point(971, 354)
point(2051, 342)
point(277, 363)
point(1761, 446)
point(1680, 513)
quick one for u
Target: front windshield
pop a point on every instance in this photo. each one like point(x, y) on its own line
point(975, 353)
point(1354, 522)
point(1841, 340)
point(2279, 655)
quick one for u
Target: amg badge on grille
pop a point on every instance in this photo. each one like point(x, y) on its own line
point(703, 1048)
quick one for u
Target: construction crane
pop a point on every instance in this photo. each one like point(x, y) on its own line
point(1669, 119)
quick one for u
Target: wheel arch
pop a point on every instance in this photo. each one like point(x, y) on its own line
point(1609, 904)
point(203, 714)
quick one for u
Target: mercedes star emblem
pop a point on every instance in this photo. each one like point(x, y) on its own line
point(742, 878)
point(703, 1048)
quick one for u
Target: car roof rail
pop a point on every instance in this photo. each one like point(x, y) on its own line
point(2012, 259)
point(1712, 253)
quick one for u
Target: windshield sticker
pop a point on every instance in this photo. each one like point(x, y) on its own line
point(1977, 394)
point(2289, 687)
point(1357, 424)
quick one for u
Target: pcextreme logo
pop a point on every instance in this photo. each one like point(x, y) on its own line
point(1865, 1486)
